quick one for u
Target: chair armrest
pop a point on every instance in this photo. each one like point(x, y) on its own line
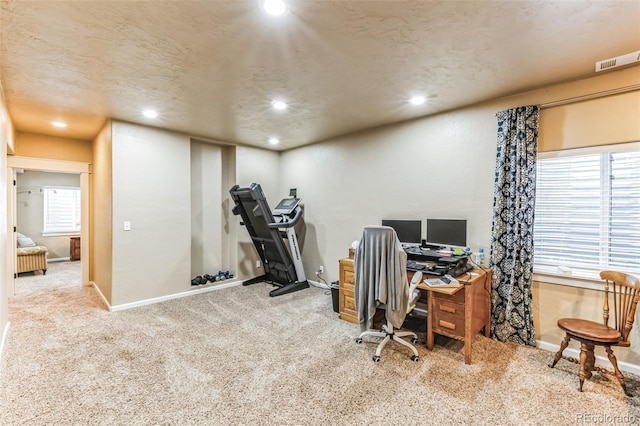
point(26, 251)
point(413, 299)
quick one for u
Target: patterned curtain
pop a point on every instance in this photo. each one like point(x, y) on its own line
point(512, 233)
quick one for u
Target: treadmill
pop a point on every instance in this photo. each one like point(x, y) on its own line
point(269, 230)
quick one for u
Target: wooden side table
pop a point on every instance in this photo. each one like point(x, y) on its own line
point(74, 248)
point(460, 313)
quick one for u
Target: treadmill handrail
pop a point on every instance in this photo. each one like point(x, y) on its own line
point(289, 223)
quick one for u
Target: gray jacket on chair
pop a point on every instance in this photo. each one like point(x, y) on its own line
point(381, 276)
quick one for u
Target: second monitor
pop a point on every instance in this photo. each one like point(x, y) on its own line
point(408, 231)
point(447, 232)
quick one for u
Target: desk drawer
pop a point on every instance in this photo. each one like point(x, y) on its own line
point(457, 297)
point(349, 301)
point(349, 279)
point(449, 307)
point(448, 317)
point(348, 306)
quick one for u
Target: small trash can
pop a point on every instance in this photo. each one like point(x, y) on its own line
point(335, 296)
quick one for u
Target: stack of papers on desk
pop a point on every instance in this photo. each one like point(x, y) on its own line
point(437, 282)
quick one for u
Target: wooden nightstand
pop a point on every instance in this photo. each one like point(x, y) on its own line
point(74, 248)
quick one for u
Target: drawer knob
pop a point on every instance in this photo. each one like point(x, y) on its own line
point(449, 309)
point(446, 324)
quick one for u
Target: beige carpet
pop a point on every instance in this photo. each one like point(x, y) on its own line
point(237, 356)
point(59, 275)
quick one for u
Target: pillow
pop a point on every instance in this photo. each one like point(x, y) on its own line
point(24, 241)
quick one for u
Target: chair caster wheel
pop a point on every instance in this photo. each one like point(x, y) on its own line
point(414, 340)
point(376, 358)
point(358, 340)
point(415, 358)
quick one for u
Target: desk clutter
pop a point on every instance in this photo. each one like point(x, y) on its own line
point(446, 281)
point(435, 262)
point(455, 311)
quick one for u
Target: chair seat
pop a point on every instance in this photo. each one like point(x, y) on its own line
point(589, 330)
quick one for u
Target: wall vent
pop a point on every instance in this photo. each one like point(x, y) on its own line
point(619, 61)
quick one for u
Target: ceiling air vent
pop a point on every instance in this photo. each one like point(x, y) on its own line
point(619, 61)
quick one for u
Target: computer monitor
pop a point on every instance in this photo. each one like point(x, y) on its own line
point(447, 232)
point(408, 231)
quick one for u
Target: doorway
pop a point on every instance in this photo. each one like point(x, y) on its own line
point(14, 164)
point(48, 226)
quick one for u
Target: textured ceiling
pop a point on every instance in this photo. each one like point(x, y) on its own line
point(212, 68)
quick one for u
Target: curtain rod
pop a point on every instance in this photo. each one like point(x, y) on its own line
point(603, 94)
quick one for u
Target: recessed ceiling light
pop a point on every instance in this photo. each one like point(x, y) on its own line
point(418, 100)
point(274, 141)
point(279, 105)
point(149, 113)
point(274, 7)
point(59, 124)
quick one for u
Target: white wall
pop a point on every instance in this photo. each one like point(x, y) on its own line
point(30, 208)
point(153, 173)
point(206, 214)
point(437, 167)
point(213, 230)
point(151, 190)
point(259, 166)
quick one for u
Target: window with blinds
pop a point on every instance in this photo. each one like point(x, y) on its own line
point(61, 210)
point(587, 214)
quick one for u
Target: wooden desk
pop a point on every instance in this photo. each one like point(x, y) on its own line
point(460, 313)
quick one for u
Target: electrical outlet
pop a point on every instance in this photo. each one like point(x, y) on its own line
point(127, 226)
point(258, 264)
point(321, 269)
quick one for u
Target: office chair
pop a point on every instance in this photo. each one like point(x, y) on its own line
point(625, 291)
point(381, 282)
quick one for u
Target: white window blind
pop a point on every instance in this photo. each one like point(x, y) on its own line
point(61, 210)
point(587, 214)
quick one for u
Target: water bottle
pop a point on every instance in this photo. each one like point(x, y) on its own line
point(480, 257)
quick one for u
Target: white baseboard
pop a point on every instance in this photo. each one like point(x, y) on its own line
point(575, 353)
point(5, 336)
point(59, 259)
point(153, 300)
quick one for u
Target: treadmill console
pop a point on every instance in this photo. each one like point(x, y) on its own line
point(286, 206)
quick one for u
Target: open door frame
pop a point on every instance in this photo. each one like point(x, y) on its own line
point(45, 165)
